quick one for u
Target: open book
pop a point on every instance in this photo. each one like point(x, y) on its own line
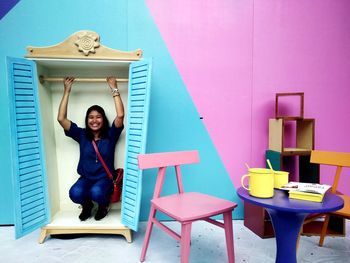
point(306, 191)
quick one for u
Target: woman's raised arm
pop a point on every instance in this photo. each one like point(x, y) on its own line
point(62, 110)
point(119, 106)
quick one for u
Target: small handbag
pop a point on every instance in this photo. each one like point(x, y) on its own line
point(117, 178)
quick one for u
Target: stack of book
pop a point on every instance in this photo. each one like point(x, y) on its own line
point(306, 191)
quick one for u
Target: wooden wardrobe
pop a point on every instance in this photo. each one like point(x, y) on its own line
point(45, 160)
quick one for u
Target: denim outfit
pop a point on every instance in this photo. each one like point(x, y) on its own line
point(94, 183)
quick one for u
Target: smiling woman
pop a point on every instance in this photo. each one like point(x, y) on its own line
point(94, 183)
point(95, 120)
point(96, 123)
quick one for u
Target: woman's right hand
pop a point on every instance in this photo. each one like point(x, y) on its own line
point(68, 82)
point(62, 109)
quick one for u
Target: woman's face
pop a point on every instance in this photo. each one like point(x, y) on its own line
point(95, 120)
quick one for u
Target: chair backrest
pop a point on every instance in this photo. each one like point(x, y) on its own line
point(338, 159)
point(162, 161)
point(154, 160)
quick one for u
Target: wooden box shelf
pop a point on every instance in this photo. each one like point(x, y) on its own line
point(258, 220)
point(304, 136)
point(307, 172)
point(288, 115)
point(336, 227)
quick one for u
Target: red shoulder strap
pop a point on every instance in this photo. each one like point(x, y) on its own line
point(101, 160)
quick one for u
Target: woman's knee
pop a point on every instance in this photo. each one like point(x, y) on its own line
point(101, 192)
point(77, 194)
point(97, 193)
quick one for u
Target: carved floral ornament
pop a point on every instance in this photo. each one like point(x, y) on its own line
point(83, 44)
point(87, 43)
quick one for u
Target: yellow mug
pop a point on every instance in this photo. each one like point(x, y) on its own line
point(281, 178)
point(261, 182)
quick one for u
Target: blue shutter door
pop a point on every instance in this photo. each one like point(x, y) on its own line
point(28, 163)
point(136, 136)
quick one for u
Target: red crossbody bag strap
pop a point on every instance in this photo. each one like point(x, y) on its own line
point(101, 160)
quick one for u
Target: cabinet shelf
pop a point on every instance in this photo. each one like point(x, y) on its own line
point(304, 130)
point(295, 151)
point(336, 227)
point(48, 156)
point(78, 68)
point(68, 222)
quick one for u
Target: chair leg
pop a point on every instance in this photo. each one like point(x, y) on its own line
point(229, 236)
point(148, 233)
point(299, 236)
point(324, 231)
point(185, 241)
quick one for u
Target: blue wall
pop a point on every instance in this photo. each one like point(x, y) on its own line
point(174, 122)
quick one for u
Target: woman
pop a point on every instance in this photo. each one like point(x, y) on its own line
point(94, 183)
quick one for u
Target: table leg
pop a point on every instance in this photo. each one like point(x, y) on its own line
point(286, 226)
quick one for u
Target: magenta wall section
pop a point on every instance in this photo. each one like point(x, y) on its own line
point(235, 55)
point(304, 46)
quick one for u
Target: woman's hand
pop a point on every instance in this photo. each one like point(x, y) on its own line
point(68, 82)
point(112, 83)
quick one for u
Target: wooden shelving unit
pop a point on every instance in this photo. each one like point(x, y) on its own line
point(282, 151)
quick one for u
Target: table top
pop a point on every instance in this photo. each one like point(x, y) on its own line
point(280, 201)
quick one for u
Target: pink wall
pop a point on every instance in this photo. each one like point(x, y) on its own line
point(235, 55)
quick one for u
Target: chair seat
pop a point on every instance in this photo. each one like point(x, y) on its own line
point(345, 211)
point(192, 206)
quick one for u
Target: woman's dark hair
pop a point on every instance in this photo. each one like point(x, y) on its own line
point(105, 126)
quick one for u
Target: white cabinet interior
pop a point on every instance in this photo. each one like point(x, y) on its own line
point(61, 152)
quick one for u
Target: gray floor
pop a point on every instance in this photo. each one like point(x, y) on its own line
point(208, 246)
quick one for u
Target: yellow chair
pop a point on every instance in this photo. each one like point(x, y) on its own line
point(340, 160)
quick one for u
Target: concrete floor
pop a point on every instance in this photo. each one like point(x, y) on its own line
point(208, 246)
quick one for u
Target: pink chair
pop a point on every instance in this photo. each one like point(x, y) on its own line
point(184, 207)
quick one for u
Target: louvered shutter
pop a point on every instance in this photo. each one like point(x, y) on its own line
point(28, 163)
point(136, 136)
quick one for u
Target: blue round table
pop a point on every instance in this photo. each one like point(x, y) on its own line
point(287, 216)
